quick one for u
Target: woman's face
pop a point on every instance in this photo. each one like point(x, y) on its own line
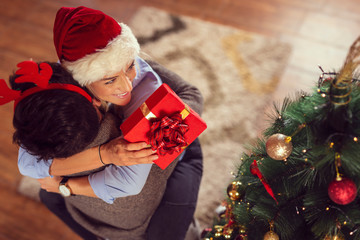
point(116, 89)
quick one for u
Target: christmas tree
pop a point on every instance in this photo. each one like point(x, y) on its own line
point(300, 180)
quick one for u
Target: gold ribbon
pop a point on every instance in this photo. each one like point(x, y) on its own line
point(149, 115)
point(146, 111)
point(185, 112)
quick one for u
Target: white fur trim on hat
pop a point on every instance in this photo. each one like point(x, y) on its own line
point(118, 53)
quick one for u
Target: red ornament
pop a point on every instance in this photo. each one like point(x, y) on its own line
point(241, 237)
point(254, 169)
point(342, 191)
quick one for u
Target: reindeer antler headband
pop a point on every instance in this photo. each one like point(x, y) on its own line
point(30, 73)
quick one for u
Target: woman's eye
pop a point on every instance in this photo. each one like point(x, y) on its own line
point(110, 81)
point(131, 67)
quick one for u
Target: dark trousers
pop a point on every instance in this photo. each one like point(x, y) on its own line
point(172, 218)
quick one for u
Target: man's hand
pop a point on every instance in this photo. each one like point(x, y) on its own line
point(50, 184)
point(78, 185)
point(122, 153)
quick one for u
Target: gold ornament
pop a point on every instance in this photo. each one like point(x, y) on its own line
point(227, 235)
point(242, 229)
point(339, 236)
point(279, 146)
point(219, 231)
point(234, 190)
point(270, 235)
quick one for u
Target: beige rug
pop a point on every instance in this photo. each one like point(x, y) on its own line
point(236, 71)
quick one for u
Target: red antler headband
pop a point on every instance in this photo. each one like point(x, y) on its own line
point(30, 73)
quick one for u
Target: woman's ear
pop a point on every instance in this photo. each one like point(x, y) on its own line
point(96, 102)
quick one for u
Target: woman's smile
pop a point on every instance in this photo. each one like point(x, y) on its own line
point(122, 95)
point(116, 88)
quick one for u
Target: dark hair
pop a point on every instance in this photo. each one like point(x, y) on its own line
point(54, 123)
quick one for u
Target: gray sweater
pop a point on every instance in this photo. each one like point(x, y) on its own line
point(129, 217)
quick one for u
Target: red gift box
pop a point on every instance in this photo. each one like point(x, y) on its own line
point(165, 122)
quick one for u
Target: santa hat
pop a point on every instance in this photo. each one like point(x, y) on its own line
point(91, 44)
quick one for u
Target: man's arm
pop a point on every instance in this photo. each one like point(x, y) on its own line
point(78, 185)
point(114, 182)
point(117, 152)
point(30, 166)
point(111, 183)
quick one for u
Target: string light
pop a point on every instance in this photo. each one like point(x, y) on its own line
point(352, 233)
point(337, 165)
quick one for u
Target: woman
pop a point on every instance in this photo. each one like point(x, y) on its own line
point(88, 67)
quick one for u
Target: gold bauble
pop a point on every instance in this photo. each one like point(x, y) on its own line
point(235, 190)
point(271, 236)
point(219, 231)
point(218, 234)
point(227, 236)
point(233, 194)
point(278, 146)
point(339, 236)
point(242, 229)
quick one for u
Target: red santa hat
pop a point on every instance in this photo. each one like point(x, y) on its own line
point(91, 44)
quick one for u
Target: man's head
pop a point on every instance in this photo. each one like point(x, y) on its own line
point(54, 123)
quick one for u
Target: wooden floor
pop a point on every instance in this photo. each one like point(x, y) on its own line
point(320, 32)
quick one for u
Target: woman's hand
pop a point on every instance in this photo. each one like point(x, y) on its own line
point(122, 153)
point(50, 184)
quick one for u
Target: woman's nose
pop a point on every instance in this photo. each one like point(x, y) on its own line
point(124, 83)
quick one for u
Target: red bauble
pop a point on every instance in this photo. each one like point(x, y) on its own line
point(241, 237)
point(342, 191)
point(254, 168)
